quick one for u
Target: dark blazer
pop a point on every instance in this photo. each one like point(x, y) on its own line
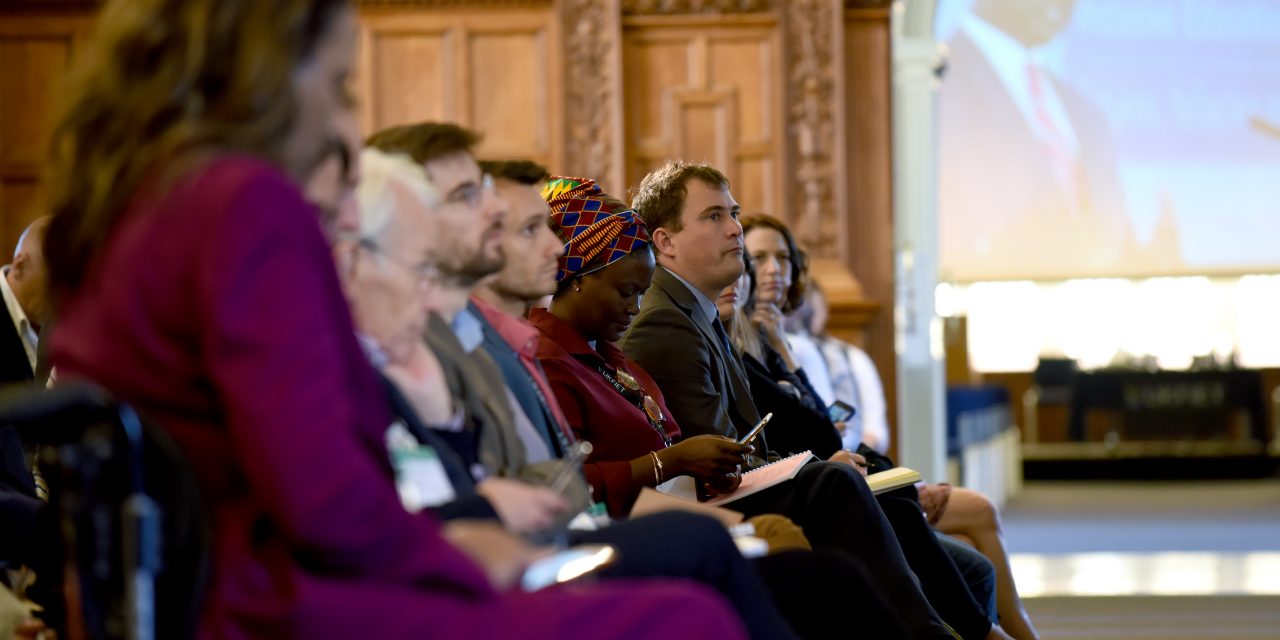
point(476, 380)
point(799, 423)
point(477, 383)
point(14, 366)
point(705, 386)
point(468, 504)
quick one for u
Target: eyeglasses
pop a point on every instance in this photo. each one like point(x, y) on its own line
point(472, 194)
point(422, 271)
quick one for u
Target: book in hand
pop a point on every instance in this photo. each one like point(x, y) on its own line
point(895, 478)
point(761, 478)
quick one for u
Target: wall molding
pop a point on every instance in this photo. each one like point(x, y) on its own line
point(685, 7)
point(868, 4)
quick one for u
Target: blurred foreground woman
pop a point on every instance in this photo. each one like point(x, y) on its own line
point(192, 280)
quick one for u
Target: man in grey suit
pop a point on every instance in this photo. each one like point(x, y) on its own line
point(697, 258)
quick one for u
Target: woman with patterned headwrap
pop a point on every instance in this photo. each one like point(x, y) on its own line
point(609, 400)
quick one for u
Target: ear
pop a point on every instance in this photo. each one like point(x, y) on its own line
point(19, 264)
point(663, 243)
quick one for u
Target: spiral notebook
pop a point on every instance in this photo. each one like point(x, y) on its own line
point(761, 478)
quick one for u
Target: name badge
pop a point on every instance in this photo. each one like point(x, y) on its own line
point(420, 477)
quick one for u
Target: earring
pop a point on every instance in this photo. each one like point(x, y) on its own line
point(577, 288)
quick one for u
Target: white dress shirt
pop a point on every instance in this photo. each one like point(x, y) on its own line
point(20, 322)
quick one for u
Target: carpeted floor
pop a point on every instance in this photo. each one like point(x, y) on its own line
point(1156, 617)
point(1073, 517)
point(1139, 542)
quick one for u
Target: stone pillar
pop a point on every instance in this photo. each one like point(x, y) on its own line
point(919, 340)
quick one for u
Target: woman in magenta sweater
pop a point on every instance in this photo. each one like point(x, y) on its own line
point(193, 281)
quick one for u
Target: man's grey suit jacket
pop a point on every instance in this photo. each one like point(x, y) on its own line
point(704, 385)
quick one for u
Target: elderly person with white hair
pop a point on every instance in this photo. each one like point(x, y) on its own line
point(386, 266)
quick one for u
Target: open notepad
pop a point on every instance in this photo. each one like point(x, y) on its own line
point(761, 478)
point(775, 473)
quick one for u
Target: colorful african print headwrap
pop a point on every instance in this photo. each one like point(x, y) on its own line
point(597, 229)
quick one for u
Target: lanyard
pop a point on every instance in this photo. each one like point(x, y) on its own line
point(559, 429)
point(646, 404)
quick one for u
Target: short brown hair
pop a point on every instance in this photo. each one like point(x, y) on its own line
point(799, 259)
point(660, 196)
point(425, 141)
point(525, 172)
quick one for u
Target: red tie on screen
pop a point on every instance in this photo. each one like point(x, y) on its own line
point(1061, 153)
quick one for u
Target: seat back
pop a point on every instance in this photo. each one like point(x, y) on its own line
point(124, 504)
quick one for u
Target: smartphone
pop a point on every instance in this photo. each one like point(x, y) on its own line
point(840, 412)
point(566, 565)
point(755, 431)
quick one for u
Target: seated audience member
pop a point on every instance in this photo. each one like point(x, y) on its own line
point(853, 376)
point(678, 338)
point(709, 554)
point(472, 219)
point(26, 303)
point(23, 284)
point(612, 402)
point(800, 421)
point(383, 271)
point(777, 390)
point(961, 513)
point(192, 280)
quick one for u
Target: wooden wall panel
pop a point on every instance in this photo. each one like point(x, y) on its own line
point(706, 94)
point(411, 77)
point(21, 201)
point(30, 63)
point(869, 180)
point(511, 98)
point(35, 54)
point(496, 70)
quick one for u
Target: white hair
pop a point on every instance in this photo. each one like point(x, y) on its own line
point(386, 180)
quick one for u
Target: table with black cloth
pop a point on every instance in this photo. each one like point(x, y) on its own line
point(1183, 400)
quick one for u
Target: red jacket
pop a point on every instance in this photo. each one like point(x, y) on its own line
point(617, 429)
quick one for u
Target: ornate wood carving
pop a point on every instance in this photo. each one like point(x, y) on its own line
point(684, 7)
point(811, 125)
point(592, 36)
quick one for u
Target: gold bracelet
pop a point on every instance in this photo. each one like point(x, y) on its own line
point(657, 468)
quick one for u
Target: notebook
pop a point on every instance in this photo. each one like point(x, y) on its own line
point(651, 501)
point(761, 478)
point(895, 478)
